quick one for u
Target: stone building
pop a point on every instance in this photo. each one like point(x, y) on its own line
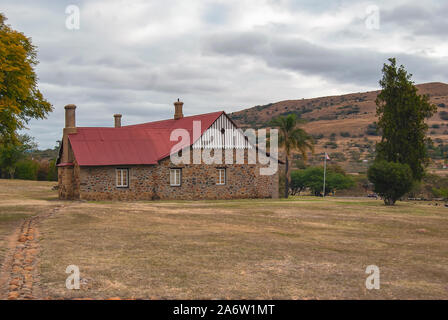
point(134, 162)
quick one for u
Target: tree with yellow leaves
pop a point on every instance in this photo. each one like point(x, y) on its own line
point(20, 99)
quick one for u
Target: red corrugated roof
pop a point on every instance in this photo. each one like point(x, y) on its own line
point(145, 143)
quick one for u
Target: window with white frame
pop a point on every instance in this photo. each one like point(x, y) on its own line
point(122, 178)
point(221, 176)
point(175, 176)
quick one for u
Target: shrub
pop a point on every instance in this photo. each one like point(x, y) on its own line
point(345, 134)
point(300, 164)
point(42, 170)
point(333, 137)
point(313, 177)
point(27, 170)
point(328, 117)
point(347, 110)
point(337, 156)
point(440, 193)
point(298, 179)
point(372, 129)
point(333, 167)
point(431, 186)
point(391, 180)
point(52, 171)
point(443, 115)
point(331, 145)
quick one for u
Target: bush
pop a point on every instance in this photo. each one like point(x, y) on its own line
point(42, 170)
point(338, 156)
point(345, 134)
point(338, 181)
point(327, 117)
point(372, 129)
point(347, 110)
point(443, 115)
point(300, 164)
point(298, 179)
point(27, 170)
point(52, 171)
point(432, 186)
point(440, 193)
point(331, 144)
point(313, 179)
point(333, 167)
point(391, 180)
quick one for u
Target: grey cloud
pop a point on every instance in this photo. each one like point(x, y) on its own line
point(348, 65)
point(418, 19)
point(406, 14)
point(236, 43)
point(111, 65)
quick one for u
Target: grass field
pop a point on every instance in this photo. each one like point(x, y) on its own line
point(19, 200)
point(304, 248)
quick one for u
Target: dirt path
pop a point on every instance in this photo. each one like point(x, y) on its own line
point(19, 277)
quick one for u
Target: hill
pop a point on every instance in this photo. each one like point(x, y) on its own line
point(345, 125)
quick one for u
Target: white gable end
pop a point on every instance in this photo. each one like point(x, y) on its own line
point(222, 134)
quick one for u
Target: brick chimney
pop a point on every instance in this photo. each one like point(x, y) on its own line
point(70, 127)
point(178, 110)
point(70, 120)
point(117, 120)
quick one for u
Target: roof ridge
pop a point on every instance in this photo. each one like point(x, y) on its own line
point(157, 121)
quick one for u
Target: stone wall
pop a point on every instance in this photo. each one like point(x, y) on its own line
point(68, 175)
point(65, 183)
point(150, 182)
point(68, 182)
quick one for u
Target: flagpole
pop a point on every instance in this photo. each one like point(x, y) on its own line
point(325, 169)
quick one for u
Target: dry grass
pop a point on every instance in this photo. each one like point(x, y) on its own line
point(306, 248)
point(301, 248)
point(18, 200)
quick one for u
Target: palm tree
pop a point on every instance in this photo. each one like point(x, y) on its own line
point(291, 137)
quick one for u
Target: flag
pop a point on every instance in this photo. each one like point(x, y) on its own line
point(327, 157)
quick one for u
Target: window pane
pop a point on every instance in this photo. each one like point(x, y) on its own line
point(175, 177)
point(118, 177)
point(125, 177)
point(221, 176)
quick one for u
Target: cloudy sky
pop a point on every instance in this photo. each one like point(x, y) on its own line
point(136, 57)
